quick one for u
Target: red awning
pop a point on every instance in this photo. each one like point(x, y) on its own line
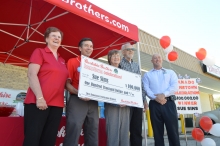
point(23, 22)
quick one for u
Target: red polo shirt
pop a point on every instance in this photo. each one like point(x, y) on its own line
point(73, 67)
point(52, 77)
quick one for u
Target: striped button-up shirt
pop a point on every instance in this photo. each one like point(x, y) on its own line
point(134, 68)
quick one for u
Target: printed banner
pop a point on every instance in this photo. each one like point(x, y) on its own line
point(91, 12)
point(8, 96)
point(188, 99)
point(102, 82)
point(62, 132)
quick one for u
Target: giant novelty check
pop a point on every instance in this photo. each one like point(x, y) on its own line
point(102, 82)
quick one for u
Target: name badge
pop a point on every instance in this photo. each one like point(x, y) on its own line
point(78, 69)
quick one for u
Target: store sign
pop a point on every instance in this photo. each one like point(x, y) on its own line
point(213, 70)
point(188, 99)
point(8, 96)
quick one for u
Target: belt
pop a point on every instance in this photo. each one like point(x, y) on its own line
point(172, 97)
point(74, 94)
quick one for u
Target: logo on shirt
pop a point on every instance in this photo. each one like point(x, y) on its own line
point(115, 71)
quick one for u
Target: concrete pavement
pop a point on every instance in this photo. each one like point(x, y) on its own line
point(183, 142)
point(190, 141)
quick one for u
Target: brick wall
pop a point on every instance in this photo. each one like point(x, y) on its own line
point(13, 77)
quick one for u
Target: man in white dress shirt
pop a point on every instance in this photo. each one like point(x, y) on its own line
point(160, 85)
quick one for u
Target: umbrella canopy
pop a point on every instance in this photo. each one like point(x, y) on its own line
point(23, 23)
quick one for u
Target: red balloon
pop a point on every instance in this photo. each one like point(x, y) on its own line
point(165, 41)
point(206, 123)
point(201, 54)
point(197, 134)
point(172, 56)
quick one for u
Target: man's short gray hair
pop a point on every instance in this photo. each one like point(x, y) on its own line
point(124, 46)
point(156, 54)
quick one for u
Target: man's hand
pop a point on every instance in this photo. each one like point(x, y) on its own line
point(122, 105)
point(84, 99)
point(160, 98)
point(145, 106)
point(70, 88)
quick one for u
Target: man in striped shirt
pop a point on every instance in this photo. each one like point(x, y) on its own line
point(128, 64)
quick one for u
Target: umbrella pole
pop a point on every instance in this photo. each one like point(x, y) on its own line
point(144, 119)
point(145, 133)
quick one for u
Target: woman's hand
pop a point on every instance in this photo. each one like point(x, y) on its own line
point(85, 99)
point(41, 103)
point(145, 106)
point(34, 84)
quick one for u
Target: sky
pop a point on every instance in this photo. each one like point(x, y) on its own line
point(191, 24)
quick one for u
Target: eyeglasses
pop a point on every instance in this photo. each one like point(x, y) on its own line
point(130, 49)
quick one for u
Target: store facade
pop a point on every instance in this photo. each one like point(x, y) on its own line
point(185, 64)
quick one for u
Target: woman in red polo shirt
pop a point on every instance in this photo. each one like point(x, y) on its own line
point(47, 74)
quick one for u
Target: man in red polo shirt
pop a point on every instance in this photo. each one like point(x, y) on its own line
point(80, 111)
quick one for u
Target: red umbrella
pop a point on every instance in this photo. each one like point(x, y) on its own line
point(23, 22)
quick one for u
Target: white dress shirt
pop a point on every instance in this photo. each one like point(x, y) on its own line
point(160, 81)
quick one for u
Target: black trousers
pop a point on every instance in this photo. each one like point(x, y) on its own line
point(41, 126)
point(136, 126)
point(164, 114)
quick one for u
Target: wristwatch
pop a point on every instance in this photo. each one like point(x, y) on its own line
point(173, 97)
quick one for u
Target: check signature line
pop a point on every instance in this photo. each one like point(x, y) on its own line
point(108, 90)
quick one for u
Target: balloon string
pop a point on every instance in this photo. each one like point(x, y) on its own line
point(173, 68)
point(198, 77)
